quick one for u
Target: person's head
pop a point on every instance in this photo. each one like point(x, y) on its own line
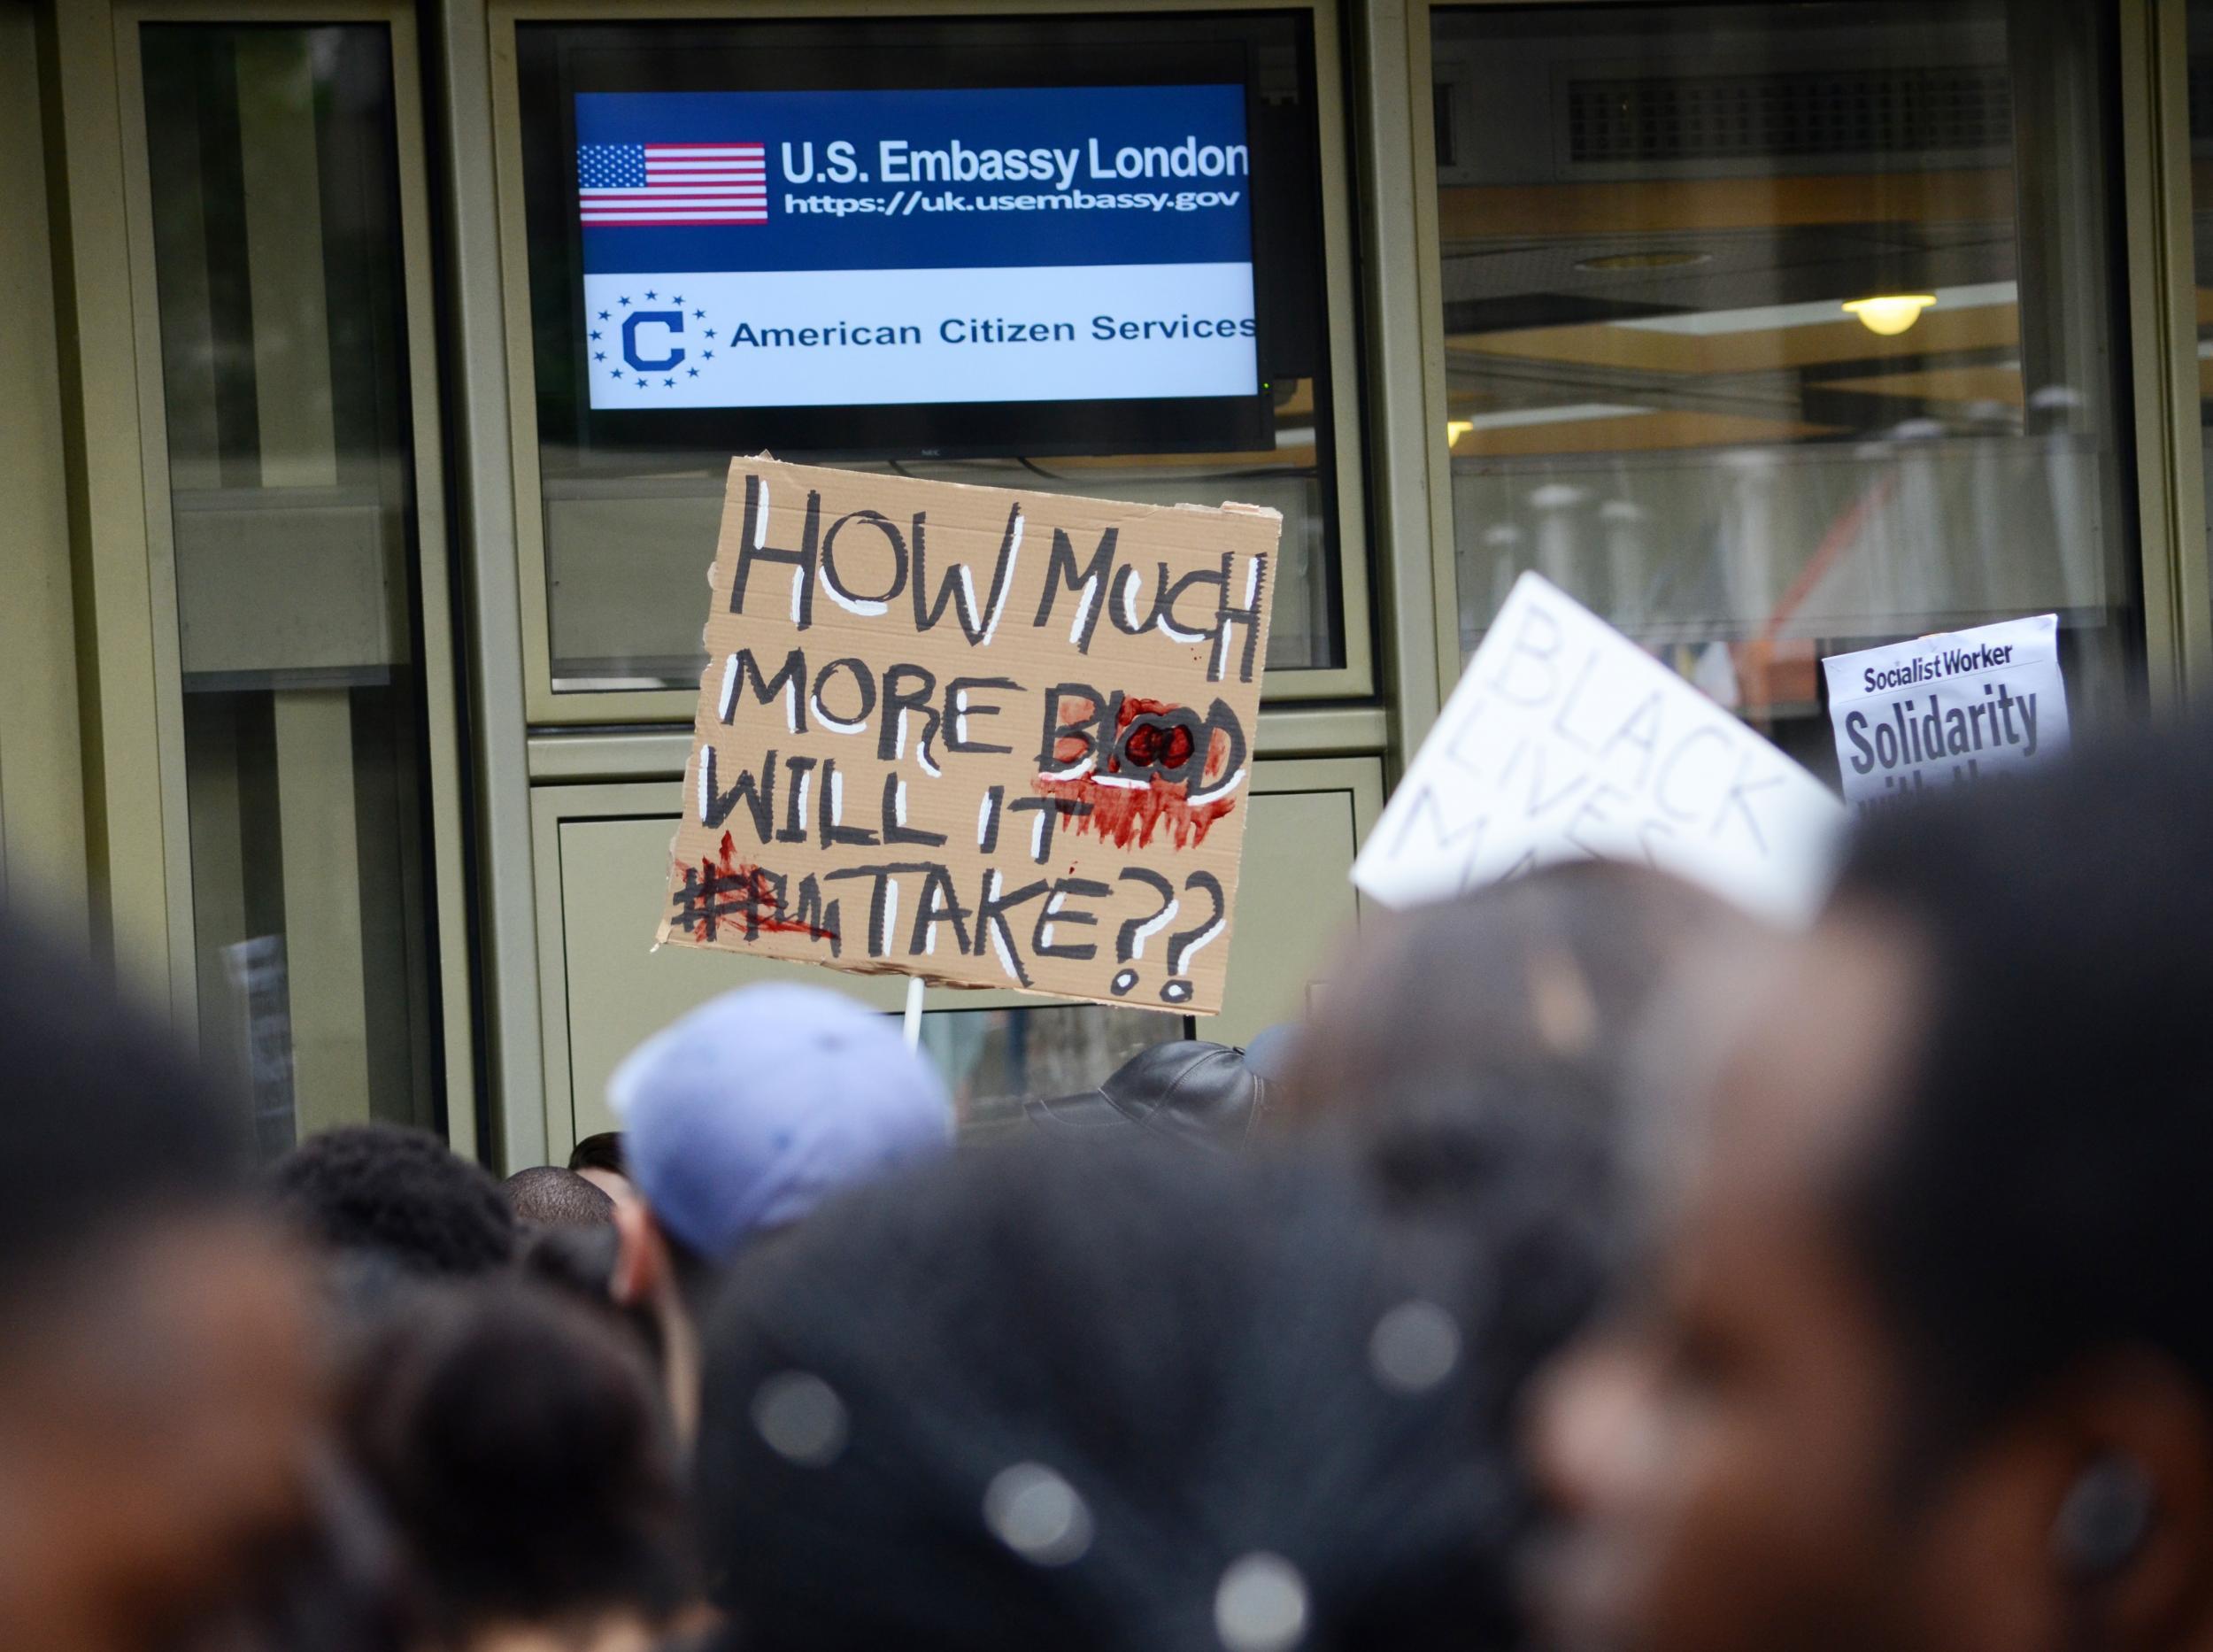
point(599, 1160)
point(1133, 1398)
point(740, 1118)
point(580, 1264)
point(1537, 986)
point(1928, 1360)
point(1208, 1095)
point(516, 1441)
point(1461, 1035)
point(547, 1196)
point(383, 1198)
point(158, 1392)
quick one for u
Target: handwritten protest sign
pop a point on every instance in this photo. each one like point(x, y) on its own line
point(1946, 710)
point(1565, 740)
point(987, 737)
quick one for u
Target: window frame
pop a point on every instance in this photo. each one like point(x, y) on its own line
point(2158, 310)
point(1356, 679)
point(132, 243)
point(647, 791)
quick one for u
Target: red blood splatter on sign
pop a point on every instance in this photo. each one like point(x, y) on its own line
point(1121, 814)
point(1169, 748)
point(1069, 748)
point(723, 893)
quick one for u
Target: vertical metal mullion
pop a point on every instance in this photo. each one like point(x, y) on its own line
point(467, 65)
point(147, 559)
point(461, 1026)
point(1428, 247)
point(2162, 332)
point(1401, 336)
point(42, 857)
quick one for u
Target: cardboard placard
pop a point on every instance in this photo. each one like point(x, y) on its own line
point(1951, 709)
point(984, 735)
point(1565, 740)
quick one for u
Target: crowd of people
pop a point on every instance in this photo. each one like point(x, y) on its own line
point(1596, 1270)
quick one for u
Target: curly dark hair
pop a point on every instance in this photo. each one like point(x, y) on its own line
point(399, 1196)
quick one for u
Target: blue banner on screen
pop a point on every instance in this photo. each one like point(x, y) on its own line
point(871, 249)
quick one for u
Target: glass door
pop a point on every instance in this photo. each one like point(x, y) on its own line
point(302, 608)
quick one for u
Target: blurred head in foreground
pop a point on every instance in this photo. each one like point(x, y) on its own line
point(1138, 1399)
point(386, 1205)
point(1928, 1359)
point(579, 1264)
point(516, 1441)
point(156, 1397)
point(1540, 987)
point(1465, 1035)
point(740, 1118)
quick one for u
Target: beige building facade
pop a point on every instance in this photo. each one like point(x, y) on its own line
point(346, 647)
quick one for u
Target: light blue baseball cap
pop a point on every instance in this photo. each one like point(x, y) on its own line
point(750, 1111)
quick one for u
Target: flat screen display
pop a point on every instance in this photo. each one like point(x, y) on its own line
point(935, 239)
point(875, 249)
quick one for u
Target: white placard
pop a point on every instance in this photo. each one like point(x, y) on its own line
point(1946, 710)
point(1565, 740)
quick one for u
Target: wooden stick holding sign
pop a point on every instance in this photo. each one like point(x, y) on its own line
point(986, 736)
point(911, 1021)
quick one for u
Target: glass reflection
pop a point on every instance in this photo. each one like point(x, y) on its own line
point(1777, 331)
point(284, 387)
point(994, 1060)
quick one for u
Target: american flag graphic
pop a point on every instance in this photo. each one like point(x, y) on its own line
point(673, 183)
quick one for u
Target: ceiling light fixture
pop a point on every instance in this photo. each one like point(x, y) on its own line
point(1890, 313)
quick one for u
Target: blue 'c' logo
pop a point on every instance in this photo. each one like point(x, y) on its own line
point(673, 320)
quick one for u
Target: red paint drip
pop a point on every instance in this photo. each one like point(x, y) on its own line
point(1120, 815)
point(753, 902)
